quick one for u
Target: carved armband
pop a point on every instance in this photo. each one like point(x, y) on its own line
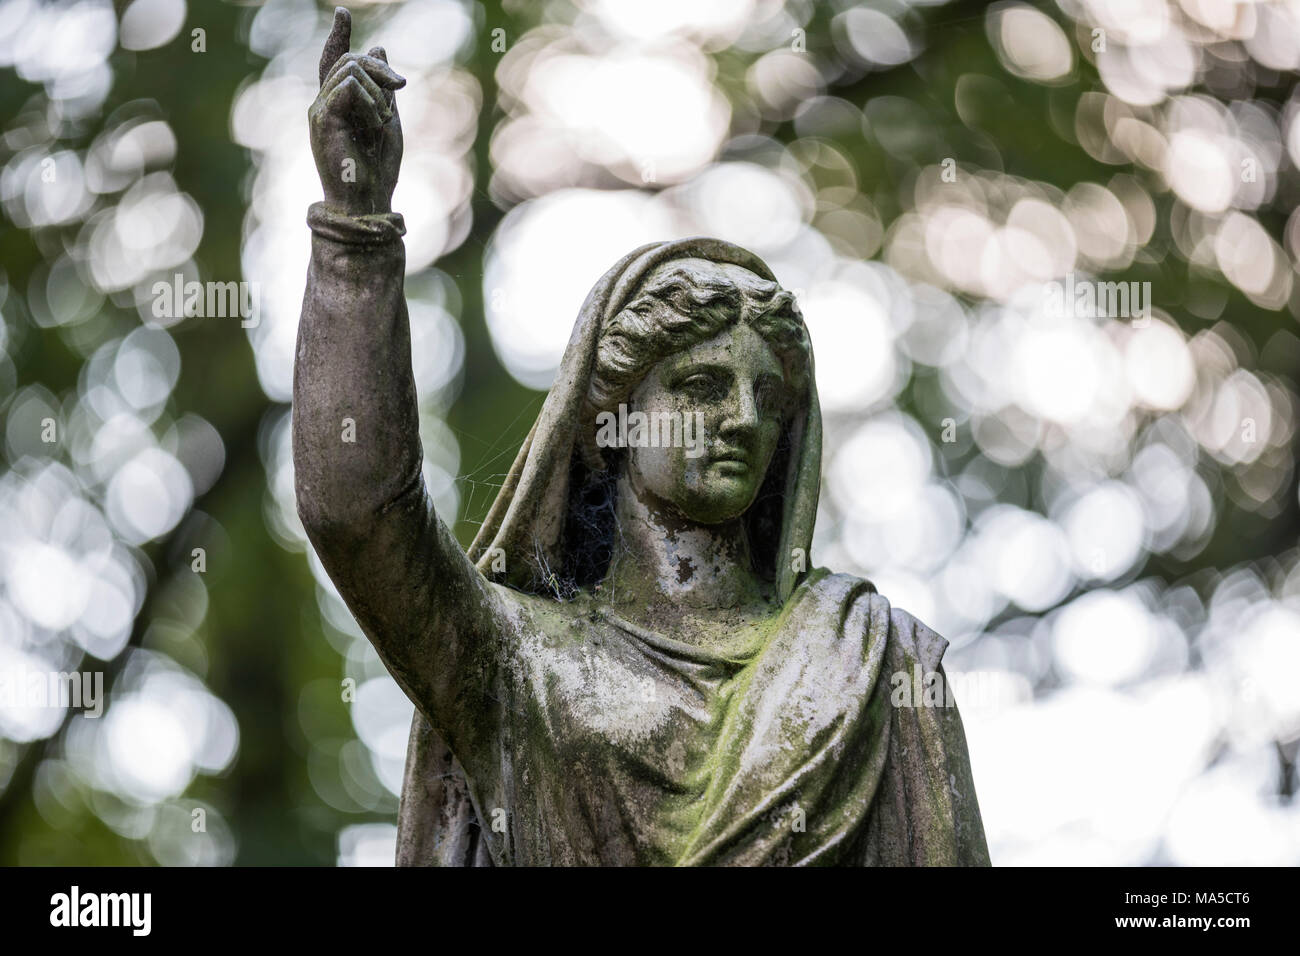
point(328, 220)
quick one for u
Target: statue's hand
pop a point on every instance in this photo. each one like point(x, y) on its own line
point(356, 136)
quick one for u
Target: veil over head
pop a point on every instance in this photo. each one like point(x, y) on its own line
point(528, 521)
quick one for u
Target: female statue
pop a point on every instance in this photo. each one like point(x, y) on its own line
point(632, 664)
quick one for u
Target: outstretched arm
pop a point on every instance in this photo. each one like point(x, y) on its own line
point(356, 446)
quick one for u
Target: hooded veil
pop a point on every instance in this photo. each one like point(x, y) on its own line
point(530, 520)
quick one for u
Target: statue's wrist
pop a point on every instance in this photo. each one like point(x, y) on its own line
point(365, 209)
point(356, 206)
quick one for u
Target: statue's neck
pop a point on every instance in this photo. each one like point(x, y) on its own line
point(662, 562)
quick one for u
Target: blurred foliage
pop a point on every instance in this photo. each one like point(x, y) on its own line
point(262, 645)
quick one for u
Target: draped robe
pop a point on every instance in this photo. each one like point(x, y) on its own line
point(549, 729)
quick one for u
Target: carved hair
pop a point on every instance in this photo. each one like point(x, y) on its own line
point(677, 307)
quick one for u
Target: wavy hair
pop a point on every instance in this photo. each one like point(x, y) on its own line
point(678, 306)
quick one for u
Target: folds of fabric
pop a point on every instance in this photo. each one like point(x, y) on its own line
point(785, 747)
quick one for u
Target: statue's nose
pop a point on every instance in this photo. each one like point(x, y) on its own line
point(741, 413)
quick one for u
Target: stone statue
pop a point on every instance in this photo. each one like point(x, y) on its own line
point(633, 664)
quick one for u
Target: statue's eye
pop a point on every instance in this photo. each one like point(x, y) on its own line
point(704, 386)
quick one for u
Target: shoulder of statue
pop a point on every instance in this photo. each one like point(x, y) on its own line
point(919, 640)
point(833, 586)
point(912, 637)
point(523, 608)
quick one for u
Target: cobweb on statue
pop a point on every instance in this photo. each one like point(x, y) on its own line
point(591, 531)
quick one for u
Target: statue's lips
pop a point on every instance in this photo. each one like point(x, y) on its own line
point(730, 462)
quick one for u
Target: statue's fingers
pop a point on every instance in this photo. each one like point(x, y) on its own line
point(379, 53)
point(335, 73)
point(377, 70)
point(381, 72)
point(379, 96)
point(338, 42)
point(351, 98)
point(348, 69)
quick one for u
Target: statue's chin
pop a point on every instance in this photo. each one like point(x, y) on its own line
point(714, 494)
point(727, 499)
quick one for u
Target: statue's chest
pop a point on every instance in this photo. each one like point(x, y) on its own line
point(600, 696)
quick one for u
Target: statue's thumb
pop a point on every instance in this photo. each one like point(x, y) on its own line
point(340, 39)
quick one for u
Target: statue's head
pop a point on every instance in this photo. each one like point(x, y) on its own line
point(695, 338)
point(708, 360)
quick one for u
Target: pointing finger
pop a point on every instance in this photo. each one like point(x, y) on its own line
point(340, 39)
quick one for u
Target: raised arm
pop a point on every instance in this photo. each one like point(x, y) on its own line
point(356, 445)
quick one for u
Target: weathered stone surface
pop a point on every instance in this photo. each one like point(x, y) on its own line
point(633, 664)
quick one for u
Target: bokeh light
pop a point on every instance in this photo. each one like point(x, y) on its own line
point(1098, 508)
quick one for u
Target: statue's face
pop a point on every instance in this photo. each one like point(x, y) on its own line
point(731, 391)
